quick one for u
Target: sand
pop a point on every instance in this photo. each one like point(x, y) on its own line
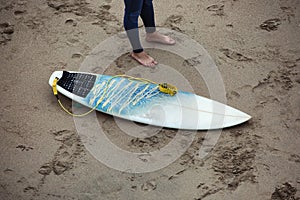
point(256, 46)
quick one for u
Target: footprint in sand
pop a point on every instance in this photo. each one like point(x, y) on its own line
point(56, 4)
point(294, 158)
point(77, 56)
point(19, 13)
point(234, 55)
point(279, 80)
point(270, 24)
point(235, 162)
point(177, 174)
point(154, 142)
point(148, 186)
point(105, 7)
point(6, 31)
point(207, 191)
point(217, 9)
point(179, 6)
point(102, 17)
point(173, 22)
point(71, 22)
point(23, 147)
point(285, 191)
point(233, 95)
point(46, 169)
point(70, 149)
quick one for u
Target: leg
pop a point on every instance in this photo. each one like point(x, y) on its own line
point(133, 10)
point(147, 15)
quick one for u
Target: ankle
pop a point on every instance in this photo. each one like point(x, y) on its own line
point(138, 52)
point(139, 55)
point(151, 34)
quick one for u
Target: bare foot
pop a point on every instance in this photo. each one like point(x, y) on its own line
point(160, 38)
point(144, 59)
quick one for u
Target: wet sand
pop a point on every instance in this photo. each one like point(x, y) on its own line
point(256, 46)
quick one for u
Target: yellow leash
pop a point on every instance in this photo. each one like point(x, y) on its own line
point(54, 88)
point(164, 87)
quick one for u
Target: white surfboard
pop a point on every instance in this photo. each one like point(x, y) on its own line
point(145, 103)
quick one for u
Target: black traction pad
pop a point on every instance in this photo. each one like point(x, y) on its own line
point(77, 83)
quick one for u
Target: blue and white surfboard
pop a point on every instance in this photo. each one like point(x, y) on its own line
point(143, 102)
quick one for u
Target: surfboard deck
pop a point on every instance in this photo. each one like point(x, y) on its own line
point(143, 102)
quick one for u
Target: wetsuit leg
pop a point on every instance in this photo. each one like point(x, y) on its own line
point(133, 9)
point(147, 15)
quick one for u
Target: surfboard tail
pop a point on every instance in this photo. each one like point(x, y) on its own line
point(56, 74)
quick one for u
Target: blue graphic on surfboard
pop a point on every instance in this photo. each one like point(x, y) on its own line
point(143, 102)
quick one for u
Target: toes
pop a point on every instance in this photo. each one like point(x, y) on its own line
point(170, 40)
point(150, 64)
point(155, 62)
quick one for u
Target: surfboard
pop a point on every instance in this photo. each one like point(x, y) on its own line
point(143, 102)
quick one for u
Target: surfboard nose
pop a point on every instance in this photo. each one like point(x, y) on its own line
point(235, 117)
point(55, 74)
point(247, 116)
